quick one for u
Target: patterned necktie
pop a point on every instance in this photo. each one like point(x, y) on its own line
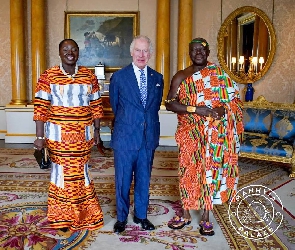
point(143, 87)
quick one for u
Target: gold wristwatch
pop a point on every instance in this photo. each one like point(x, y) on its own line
point(191, 109)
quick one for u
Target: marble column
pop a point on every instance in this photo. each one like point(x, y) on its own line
point(184, 33)
point(38, 35)
point(18, 55)
point(163, 43)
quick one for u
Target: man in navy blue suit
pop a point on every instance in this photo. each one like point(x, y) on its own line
point(135, 96)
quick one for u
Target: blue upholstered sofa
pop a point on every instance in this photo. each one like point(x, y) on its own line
point(269, 132)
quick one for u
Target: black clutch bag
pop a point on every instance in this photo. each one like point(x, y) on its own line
point(42, 158)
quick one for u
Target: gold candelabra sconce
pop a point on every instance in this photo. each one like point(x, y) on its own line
point(250, 76)
point(253, 72)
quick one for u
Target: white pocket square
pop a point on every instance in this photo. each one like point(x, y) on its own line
point(158, 85)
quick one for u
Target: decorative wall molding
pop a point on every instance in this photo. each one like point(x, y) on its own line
point(20, 124)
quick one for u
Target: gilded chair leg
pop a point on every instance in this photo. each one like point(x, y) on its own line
point(292, 172)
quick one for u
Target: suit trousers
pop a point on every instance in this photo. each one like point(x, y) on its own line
point(129, 164)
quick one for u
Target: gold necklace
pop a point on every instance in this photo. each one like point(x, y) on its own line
point(67, 74)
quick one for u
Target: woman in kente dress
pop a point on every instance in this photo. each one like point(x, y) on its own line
point(67, 112)
point(209, 112)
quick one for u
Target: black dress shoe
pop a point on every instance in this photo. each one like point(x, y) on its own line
point(119, 226)
point(145, 223)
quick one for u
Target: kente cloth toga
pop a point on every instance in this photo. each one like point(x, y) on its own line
point(208, 149)
point(68, 106)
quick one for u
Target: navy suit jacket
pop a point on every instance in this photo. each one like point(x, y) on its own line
point(133, 122)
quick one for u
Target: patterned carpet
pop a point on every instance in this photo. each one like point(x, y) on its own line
point(23, 196)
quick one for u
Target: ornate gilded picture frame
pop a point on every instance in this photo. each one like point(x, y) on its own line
point(230, 43)
point(103, 37)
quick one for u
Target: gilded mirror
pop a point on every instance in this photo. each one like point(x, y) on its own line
point(246, 44)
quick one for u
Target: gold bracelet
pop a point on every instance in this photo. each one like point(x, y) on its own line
point(170, 100)
point(191, 109)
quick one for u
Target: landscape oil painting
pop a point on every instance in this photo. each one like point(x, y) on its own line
point(103, 37)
